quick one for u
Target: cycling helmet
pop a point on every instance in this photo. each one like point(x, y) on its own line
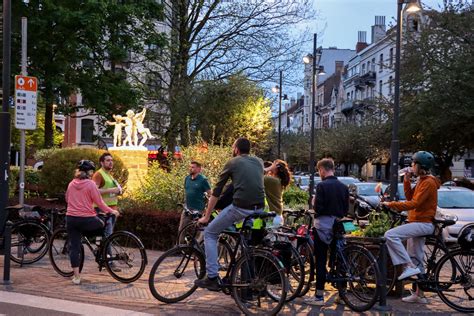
point(424, 159)
point(85, 165)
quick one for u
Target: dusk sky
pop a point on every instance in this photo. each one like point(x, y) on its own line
point(339, 20)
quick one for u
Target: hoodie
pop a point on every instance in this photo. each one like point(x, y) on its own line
point(81, 196)
point(421, 200)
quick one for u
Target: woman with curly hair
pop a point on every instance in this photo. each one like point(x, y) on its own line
point(277, 178)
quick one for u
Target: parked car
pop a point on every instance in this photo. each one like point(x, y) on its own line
point(348, 180)
point(460, 182)
point(400, 192)
point(363, 197)
point(459, 202)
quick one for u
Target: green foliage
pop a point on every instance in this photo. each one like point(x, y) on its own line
point(44, 154)
point(294, 197)
point(164, 189)
point(231, 108)
point(32, 179)
point(58, 169)
point(437, 108)
point(379, 223)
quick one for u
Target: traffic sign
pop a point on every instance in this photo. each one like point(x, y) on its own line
point(26, 89)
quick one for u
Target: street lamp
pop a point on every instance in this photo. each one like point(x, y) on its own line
point(278, 89)
point(314, 58)
point(412, 7)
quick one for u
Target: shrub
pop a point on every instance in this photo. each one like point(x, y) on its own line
point(157, 230)
point(32, 180)
point(58, 168)
point(165, 188)
point(294, 197)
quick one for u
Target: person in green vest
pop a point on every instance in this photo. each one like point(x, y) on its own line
point(109, 189)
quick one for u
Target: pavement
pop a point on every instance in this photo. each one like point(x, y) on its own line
point(38, 290)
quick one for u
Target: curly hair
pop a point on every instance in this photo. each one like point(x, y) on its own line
point(283, 172)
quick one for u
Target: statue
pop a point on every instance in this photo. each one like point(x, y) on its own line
point(117, 129)
point(133, 124)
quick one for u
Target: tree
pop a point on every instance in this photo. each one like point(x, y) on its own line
point(86, 46)
point(214, 39)
point(437, 89)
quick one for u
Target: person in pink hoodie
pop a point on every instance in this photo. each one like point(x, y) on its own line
point(81, 217)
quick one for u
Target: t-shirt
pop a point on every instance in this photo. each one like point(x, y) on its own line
point(273, 194)
point(194, 190)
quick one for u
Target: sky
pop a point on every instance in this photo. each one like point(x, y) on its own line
point(339, 20)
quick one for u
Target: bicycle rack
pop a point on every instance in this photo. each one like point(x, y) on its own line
point(7, 238)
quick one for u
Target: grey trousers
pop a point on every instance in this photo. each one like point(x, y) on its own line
point(414, 253)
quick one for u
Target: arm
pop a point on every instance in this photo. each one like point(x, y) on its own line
point(97, 199)
point(418, 198)
point(210, 206)
point(99, 182)
point(409, 191)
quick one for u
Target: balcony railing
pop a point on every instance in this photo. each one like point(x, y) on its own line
point(347, 105)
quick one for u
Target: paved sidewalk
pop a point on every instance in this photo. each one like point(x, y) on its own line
point(99, 288)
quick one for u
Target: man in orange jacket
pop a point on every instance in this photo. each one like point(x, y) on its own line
point(421, 206)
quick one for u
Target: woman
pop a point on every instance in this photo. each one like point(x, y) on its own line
point(277, 178)
point(81, 217)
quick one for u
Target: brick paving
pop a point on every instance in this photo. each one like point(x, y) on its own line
point(100, 288)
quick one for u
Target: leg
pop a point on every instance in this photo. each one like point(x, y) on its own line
point(395, 237)
point(74, 236)
point(321, 255)
point(183, 221)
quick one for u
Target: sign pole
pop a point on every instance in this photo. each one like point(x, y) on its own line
point(24, 25)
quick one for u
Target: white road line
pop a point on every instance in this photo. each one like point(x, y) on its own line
point(64, 306)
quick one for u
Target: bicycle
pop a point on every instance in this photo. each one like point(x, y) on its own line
point(454, 268)
point(122, 254)
point(255, 278)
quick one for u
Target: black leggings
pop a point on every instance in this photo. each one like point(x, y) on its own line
point(76, 226)
point(321, 258)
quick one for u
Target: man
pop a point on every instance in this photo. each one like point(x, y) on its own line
point(108, 187)
point(421, 205)
point(195, 185)
point(246, 173)
point(331, 202)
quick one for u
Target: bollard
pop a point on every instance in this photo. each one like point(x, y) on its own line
point(382, 262)
point(7, 239)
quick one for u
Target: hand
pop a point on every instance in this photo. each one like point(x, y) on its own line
point(115, 190)
point(203, 220)
point(116, 213)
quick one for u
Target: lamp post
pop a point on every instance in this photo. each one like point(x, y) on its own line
point(412, 7)
point(316, 69)
point(278, 89)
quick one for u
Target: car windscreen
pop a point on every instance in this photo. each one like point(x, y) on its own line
point(456, 199)
point(367, 189)
point(304, 181)
point(348, 181)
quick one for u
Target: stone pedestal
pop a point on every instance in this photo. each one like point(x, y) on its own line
point(136, 161)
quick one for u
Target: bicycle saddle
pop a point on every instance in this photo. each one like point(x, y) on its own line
point(444, 222)
point(17, 207)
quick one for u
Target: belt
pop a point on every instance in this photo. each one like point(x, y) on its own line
point(248, 206)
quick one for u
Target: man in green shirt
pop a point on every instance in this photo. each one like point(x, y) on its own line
point(195, 185)
point(246, 173)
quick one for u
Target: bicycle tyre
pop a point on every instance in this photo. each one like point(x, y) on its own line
point(305, 251)
point(121, 244)
point(58, 251)
point(457, 277)
point(187, 232)
point(295, 275)
point(24, 234)
point(198, 272)
point(355, 254)
point(264, 262)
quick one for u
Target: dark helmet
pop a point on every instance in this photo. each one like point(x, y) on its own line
point(85, 165)
point(424, 159)
point(465, 238)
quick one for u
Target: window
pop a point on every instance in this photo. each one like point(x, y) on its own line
point(380, 87)
point(368, 66)
point(373, 64)
point(381, 63)
point(390, 85)
point(352, 95)
point(348, 95)
point(87, 131)
point(391, 57)
point(363, 69)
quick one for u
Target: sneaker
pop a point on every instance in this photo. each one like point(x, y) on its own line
point(315, 301)
point(408, 272)
point(413, 298)
point(207, 283)
point(76, 280)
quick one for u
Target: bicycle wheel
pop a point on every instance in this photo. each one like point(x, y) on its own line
point(455, 281)
point(429, 260)
point(59, 253)
point(173, 274)
point(360, 272)
point(306, 253)
point(259, 284)
point(29, 242)
point(294, 271)
point(125, 256)
point(188, 233)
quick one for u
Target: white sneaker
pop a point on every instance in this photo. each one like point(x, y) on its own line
point(76, 280)
point(413, 298)
point(408, 272)
point(315, 301)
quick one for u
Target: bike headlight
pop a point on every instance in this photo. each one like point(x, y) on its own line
point(364, 204)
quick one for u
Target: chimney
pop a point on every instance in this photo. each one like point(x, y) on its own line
point(361, 41)
point(378, 30)
point(339, 67)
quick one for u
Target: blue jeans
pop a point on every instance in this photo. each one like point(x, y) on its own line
point(228, 216)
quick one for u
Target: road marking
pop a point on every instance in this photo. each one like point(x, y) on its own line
point(64, 305)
